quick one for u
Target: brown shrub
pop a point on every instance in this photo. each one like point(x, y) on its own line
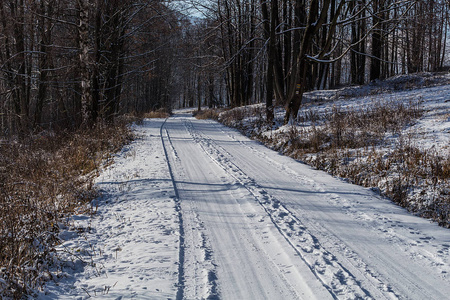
point(157, 114)
point(204, 114)
point(42, 180)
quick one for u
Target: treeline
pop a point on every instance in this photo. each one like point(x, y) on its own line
point(274, 50)
point(68, 64)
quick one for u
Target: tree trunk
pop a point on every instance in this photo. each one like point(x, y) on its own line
point(85, 78)
point(377, 46)
point(296, 85)
point(21, 94)
point(44, 65)
point(269, 31)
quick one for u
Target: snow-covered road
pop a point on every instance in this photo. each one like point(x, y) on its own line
point(258, 225)
point(195, 210)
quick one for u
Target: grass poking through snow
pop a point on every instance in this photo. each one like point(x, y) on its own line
point(43, 179)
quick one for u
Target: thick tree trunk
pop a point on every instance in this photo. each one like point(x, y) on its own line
point(294, 104)
point(44, 63)
point(375, 65)
point(296, 86)
point(21, 94)
point(269, 31)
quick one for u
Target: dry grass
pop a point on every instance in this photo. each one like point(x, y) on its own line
point(157, 114)
point(204, 114)
point(416, 179)
point(235, 118)
point(42, 180)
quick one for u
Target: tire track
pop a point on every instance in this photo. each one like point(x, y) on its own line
point(378, 283)
point(195, 257)
point(180, 290)
point(378, 288)
point(324, 265)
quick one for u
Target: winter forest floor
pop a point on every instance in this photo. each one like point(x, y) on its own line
point(193, 209)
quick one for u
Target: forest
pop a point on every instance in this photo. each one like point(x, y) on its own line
point(69, 64)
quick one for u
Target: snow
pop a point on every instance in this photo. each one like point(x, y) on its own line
point(194, 210)
point(130, 247)
point(427, 136)
point(431, 131)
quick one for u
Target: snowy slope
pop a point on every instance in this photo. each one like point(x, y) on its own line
point(254, 225)
point(432, 130)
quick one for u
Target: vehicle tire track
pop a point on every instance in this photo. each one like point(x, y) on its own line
point(355, 264)
point(410, 242)
point(253, 260)
point(322, 263)
point(197, 255)
point(180, 289)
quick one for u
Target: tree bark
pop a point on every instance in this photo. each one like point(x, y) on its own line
point(377, 45)
point(85, 78)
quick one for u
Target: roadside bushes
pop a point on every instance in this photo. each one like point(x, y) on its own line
point(249, 119)
point(204, 114)
point(43, 179)
point(160, 113)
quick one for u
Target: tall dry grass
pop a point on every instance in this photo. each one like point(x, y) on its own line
point(43, 179)
point(210, 113)
point(160, 113)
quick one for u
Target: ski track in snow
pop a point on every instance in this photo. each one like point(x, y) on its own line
point(194, 210)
